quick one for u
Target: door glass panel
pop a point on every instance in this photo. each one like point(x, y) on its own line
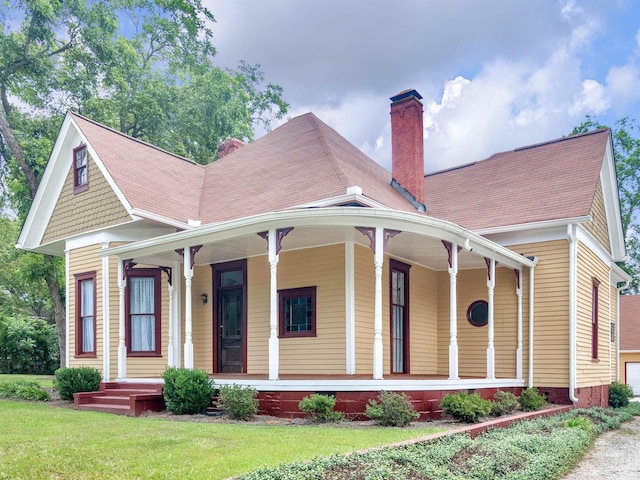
point(231, 278)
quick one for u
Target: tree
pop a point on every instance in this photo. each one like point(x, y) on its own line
point(143, 67)
point(626, 150)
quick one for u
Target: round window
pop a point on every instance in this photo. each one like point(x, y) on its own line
point(478, 313)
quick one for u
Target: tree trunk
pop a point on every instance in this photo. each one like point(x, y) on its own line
point(51, 278)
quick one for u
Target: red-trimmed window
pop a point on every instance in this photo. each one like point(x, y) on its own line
point(80, 169)
point(594, 318)
point(86, 314)
point(143, 312)
point(297, 312)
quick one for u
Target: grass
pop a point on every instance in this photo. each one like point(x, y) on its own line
point(43, 380)
point(40, 441)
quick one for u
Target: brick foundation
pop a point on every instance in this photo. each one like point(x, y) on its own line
point(595, 396)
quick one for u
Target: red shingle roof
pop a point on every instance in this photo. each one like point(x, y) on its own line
point(548, 181)
point(629, 322)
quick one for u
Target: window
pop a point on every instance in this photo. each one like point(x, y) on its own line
point(298, 312)
point(143, 312)
point(594, 318)
point(399, 315)
point(80, 170)
point(86, 314)
point(612, 332)
point(478, 313)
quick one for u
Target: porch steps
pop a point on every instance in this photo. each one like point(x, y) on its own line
point(130, 399)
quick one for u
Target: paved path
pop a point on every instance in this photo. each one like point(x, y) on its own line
point(615, 455)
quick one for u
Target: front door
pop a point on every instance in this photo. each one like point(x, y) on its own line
point(230, 317)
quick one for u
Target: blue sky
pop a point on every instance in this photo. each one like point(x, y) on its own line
point(494, 75)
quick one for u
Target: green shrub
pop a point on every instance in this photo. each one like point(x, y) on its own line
point(531, 400)
point(619, 394)
point(464, 407)
point(23, 390)
point(186, 391)
point(27, 345)
point(238, 402)
point(583, 423)
point(391, 410)
point(76, 379)
point(320, 408)
point(504, 403)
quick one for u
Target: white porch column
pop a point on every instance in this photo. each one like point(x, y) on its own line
point(274, 342)
point(106, 325)
point(453, 314)
point(377, 324)
point(188, 340)
point(519, 347)
point(350, 307)
point(172, 320)
point(122, 347)
point(491, 283)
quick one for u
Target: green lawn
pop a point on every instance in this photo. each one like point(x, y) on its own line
point(44, 442)
point(43, 380)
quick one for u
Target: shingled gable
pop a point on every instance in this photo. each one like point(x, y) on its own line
point(152, 180)
point(549, 181)
point(302, 161)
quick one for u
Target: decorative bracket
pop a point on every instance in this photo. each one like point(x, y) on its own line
point(488, 262)
point(192, 253)
point(449, 247)
point(127, 265)
point(370, 233)
point(517, 272)
point(280, 234)
point(168, 271)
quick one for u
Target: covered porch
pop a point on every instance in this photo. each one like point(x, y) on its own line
point(377, 346)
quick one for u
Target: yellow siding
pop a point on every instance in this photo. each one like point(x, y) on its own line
point(598, 226)
point(323, 354)
point(473, 341)
point(202, 319)
point(551, 311)
point(592, 372)
point(423, 321)
point(95, 208)
point(613, 299)
point(365, 282)
point(84, 260)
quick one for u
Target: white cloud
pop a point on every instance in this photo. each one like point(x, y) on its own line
point(623, 83)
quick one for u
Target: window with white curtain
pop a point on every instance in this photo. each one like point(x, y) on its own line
point(86, 314)
point(143, 315)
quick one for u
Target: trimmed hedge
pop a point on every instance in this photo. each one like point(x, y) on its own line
point(391, 410)
point(76, 379)
point(186, 391)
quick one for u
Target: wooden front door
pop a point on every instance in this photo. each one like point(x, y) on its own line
point(230, 294)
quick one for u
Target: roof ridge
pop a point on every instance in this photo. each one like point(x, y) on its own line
point(329, 151)
point(137, 140)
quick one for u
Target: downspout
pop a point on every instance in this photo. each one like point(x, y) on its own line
point(573, 257)
point(618, 290)
point(531, 317)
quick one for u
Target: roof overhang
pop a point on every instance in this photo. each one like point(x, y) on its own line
point(420, 241)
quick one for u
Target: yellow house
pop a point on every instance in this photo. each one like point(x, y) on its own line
point(296, 264)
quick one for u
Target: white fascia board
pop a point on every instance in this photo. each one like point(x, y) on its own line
point(546, 224)
point(630, 351)
point(346, 198)
point(618, 275)
point(136, 212)
point(610, 193)
point(596, 247)
point(332, 216)
point(48, 192)
point(122, 234)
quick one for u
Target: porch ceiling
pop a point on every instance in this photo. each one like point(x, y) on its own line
point(419, 240)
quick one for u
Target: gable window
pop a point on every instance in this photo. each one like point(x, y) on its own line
point(594, 318)
point(80, 169)
point(143, 312)
point(86, 314)
point(297, 312)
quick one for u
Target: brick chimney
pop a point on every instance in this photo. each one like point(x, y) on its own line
point(407, 142)
point(229, 146)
